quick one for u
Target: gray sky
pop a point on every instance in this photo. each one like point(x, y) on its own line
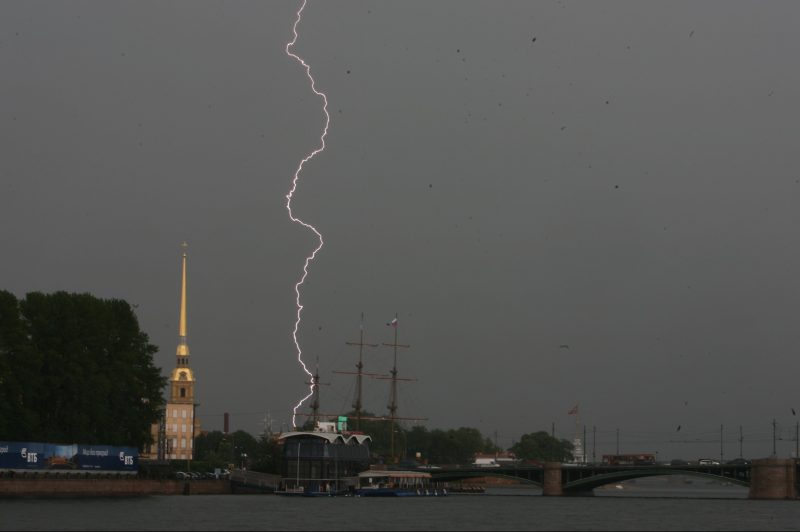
point(509, 177)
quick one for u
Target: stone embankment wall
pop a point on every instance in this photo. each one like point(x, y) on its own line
point(108, 487)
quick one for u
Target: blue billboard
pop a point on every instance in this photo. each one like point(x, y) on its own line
point(107, 458)
point(21, 456)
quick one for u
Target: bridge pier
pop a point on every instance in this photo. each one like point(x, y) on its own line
point(773, 478)
point(551, 484)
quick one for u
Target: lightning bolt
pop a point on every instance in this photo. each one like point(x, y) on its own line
point(289, 205)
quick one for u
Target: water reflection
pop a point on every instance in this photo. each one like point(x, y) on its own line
point(678, 486)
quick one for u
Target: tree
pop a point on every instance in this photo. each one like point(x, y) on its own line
point(81, 371)
point(207, 446)
point(490, 447)
point(418, 442)
point(542, 447)
point(267, 457)
point(454, 446)
point(19, 382)
point(243, 443)
point(380, 432)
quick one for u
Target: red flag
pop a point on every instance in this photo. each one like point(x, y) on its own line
point(574, 411)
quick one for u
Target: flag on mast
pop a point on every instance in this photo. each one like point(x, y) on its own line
point(574, 411)
point(392, 323)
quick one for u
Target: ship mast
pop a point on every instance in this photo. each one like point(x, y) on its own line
point(393, 393)
point(315, 415)
point(357, 405)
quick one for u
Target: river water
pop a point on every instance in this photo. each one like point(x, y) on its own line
point(643, 506)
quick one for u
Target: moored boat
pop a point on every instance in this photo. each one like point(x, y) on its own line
point(387, 483)
point(302, 492)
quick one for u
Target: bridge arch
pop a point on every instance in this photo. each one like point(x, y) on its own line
point(589, 483)
point(586, 478)
point(767, 478)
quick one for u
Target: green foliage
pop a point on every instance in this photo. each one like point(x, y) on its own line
point(454, 446)
point(380, 431)
point(18, 378)
point(207, 447)
point(75, 368)
point(267, 457)
point(440, 447)
point(242, 442)
point(542, 447)
point(447, 447)
point(220, 450)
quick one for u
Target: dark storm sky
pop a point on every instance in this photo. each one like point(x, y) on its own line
point(621, 178)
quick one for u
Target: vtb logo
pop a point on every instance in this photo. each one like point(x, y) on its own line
point(31, 458)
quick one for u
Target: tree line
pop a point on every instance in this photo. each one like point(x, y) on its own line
point(415, 446)
point(75, 368)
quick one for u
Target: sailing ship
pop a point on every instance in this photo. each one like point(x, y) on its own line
point(358, 411)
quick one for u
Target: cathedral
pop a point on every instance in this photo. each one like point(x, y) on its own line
point(174, 434)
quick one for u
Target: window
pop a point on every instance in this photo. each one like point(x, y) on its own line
point(183, 394)
point(183, 443)
point(183, 427)
point(174, 427)
point(174, 412)
point(183, 414)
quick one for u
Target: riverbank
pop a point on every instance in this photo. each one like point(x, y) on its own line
point(108, 487)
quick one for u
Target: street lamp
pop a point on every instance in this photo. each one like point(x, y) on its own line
point(297, 484)
point(244, 457)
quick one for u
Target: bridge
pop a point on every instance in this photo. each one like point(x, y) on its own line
point(769, 478)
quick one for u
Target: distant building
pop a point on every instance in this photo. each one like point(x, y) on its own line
point(325, 459)
point(502, 458)
point(174, 435)
point(578, 454)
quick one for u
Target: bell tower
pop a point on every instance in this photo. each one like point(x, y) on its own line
point(180, 423)
point(182, 379)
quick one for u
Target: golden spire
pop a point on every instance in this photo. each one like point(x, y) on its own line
point(183, 347)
